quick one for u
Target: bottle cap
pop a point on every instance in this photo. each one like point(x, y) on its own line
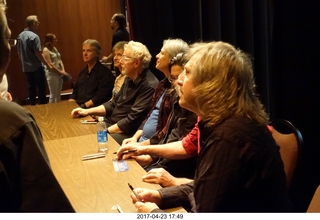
point(100, 119)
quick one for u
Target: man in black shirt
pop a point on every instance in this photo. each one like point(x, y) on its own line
point(131, 105)
point(95, 82)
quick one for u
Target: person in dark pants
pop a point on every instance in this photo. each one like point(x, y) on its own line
point(30, 54)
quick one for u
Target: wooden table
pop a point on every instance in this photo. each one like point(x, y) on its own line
point(91, 185)
point(55, 121)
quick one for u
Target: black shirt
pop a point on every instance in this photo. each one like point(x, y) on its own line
point(132, 103)
point(96, 85)
point(239, 170)
point(121, 34)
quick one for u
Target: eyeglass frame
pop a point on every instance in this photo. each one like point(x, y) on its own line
point(171, 79)
point(12, 41)
point(126, 58)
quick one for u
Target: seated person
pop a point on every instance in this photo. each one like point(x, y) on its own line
point(129, 107)
point(162, 100)
point(179, 124)
point(95, 82)
point(239, 165)
point(27, 183)
point(117, 54)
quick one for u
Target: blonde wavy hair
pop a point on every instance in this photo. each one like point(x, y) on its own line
point(224, 83)
point(139, 51)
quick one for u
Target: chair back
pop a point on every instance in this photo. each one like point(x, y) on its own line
point(290, 141)
point(314, 205)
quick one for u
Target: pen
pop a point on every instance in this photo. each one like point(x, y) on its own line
point(132, 189)
point(119, 209)
point(127, 151)
point(88, 122)
point(93, 156)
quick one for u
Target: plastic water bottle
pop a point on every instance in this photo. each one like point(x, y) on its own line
point(102, 134)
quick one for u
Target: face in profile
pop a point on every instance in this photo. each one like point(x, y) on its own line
point(89, 53)
point(117, 57)
point(186, 94)
point(113, 22)
point(127, 63)
point(163, 60)
point(174, 74)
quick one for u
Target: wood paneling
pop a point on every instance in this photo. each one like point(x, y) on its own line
point(72, 21)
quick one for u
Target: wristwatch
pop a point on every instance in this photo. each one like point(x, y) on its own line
point(83, 106)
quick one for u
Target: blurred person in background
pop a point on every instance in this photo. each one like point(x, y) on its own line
point(54, 76)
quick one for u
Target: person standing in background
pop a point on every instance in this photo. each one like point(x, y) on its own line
point(54, 76)
point(30, 54)
point(118, 23)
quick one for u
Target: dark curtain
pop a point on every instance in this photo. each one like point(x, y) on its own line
point(280, 36)
point(295, 86)
point(244, 24)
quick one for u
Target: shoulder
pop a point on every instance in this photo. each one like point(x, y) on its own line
point(122, 33)
point(151, 79)
point(14, 115)
point(102, 68)
point(240, 132)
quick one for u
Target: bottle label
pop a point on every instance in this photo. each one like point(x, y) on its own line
point(102, 136)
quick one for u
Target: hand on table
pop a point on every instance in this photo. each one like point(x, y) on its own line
point(122, 155)
point(129, 140)
point(160, 176)
point(79, 112)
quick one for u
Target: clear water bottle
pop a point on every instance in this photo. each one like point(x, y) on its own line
point(102, 134)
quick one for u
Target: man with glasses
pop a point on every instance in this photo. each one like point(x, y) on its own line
point(30, 54)
point(130, 106)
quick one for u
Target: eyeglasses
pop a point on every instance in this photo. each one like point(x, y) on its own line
point(173, 78)
point(12, 41)
point(126, 58)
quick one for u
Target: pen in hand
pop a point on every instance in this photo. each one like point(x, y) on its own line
point(127, 151)
point(132, 189)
